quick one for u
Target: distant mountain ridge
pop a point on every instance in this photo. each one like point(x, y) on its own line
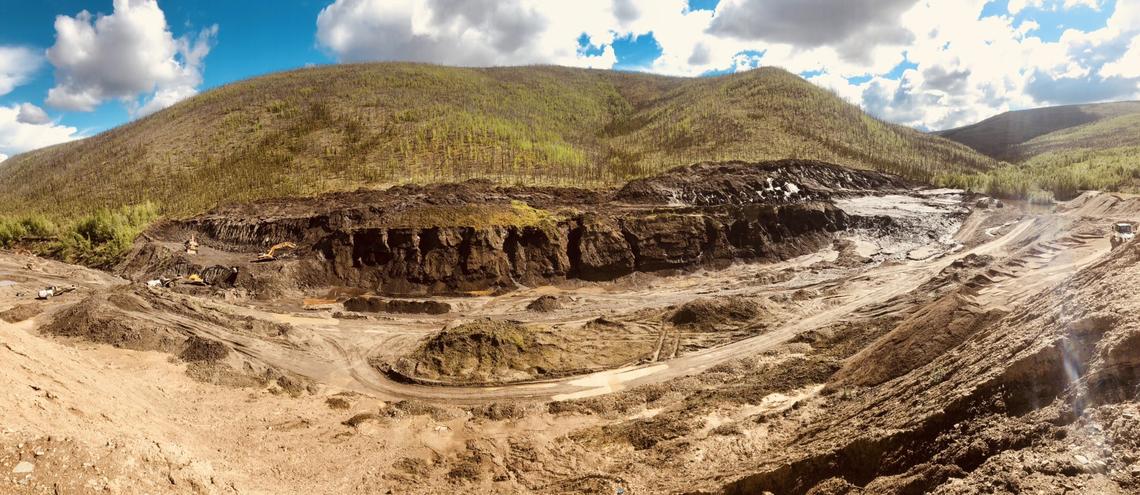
point(1018, 135)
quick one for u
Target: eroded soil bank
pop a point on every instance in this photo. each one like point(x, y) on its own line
point(474, 236)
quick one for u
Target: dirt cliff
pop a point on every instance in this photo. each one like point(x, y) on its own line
point(474, 236)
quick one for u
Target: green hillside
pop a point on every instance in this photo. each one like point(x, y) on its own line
point(349, 126)
point(1057, 151)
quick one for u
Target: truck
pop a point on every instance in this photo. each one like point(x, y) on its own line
point(1122, 232)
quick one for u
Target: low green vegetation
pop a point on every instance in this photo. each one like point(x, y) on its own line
point(1059, 175)
point(98, 239)
point(517, 213)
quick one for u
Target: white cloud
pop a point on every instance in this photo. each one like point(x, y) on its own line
point(469, 32)
point(852, 27)
point(1016, 6)
point(18, 136)
point(31, 114)
point(970, 68)
point(3, 157)
point(1128, 65)
point(126, 55)
point(16, 66)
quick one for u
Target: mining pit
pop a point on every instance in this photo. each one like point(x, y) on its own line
point(784, 327)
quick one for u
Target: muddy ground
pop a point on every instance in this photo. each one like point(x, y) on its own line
point(704, 331)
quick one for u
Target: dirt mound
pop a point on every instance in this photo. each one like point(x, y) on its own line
point(201, 349)
point(481, 351)
point(544, 304)
point(916, 340)
point(711, 312)
point(21, 312)
point(498, 351)
point(107, 318)
point(373, 304)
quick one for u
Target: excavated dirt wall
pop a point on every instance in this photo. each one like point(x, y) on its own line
point(457, 238)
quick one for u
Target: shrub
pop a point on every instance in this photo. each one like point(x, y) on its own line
point(101, 238)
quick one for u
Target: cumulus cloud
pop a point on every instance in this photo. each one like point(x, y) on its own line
point(31, 114)
point(18, 135)
point(854, 26)
point(127, 55)
point(17, 64)
point(1128, 65)
point(469, 32)
point(1016, 6)
point(969, 68)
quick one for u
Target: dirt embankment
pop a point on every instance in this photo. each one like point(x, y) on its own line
point(112, 318)
point(1040, 399)
point(136, 318)
point(475, 236)
point(917, 340)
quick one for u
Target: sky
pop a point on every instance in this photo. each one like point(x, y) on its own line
point(71, 69)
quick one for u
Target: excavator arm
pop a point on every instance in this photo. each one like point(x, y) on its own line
point(271, 254)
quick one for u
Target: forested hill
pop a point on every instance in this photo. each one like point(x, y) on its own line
point(349, 126)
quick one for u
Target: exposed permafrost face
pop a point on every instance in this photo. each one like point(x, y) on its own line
point(697, 216)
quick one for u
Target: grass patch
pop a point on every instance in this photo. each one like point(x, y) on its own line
point(517, 214)
point(99, 239)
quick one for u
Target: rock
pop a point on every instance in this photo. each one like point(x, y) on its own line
point(24, 467)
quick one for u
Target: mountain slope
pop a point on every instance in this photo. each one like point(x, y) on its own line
point(1058, 150)
point(349, 126)
point(1017, 135)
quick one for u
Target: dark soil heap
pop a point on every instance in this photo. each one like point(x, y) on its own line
point(711, 312)
point(373, 304)
point(544, 304)
point(201, 349)
point(481, 351)
point(106, 318)
point(21, 312)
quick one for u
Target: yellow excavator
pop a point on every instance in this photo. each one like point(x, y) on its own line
point(271, 254)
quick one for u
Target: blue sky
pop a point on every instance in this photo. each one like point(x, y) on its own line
point(929, 64)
